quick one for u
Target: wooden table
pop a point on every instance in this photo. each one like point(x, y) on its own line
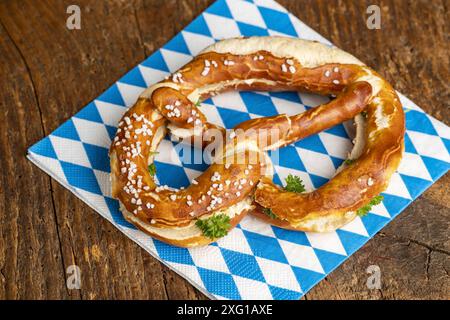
point(49, 72)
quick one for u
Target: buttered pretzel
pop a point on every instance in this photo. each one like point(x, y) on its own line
point(226, 191)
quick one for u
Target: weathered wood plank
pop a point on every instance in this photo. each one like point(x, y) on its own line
point(30, 256)
point(408, 271)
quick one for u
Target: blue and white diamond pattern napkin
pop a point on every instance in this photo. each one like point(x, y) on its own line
point(256, 260)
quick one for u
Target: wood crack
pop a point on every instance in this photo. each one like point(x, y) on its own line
point(138, 26)
point(164, 273)
point(419, 243)
point(427, 265)
point(3, 275)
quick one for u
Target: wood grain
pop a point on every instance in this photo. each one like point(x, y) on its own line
point(44, 228)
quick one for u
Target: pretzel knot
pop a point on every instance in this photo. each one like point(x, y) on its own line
point(229, 189)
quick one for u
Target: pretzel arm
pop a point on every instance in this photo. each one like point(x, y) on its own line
point(278, 131)
point(170, 214)
point(336, 203)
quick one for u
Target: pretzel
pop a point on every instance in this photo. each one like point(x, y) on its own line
point(226, 188)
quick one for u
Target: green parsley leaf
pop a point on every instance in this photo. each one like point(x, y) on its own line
point(365, 209)
point(364, 114)
point(152, 169)
point(268, 212)
point(197, 104)
point(349, 161)
point(294, 184)
point(214, 227)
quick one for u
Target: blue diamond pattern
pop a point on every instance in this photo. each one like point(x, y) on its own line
point(283, 294)
point(435, 167)
point(265, 247)
point(67, 130)
point(98, 157)
point(351, 241)
point(171, 175)
point(291, 236)
point(243, 265)
point(317, 180)
point(258, 104)
point(336, 161)
point(81, 177)
point(134, 77)
point(44, 148)
point(156, 61)
point(338, 130)
point(307, 277)
point(248, 30)
point(90, 112)
point(289, 158)
point(168, 253)
point(199, 26)
point(288, 95)
point(278, 21)
point(220, 8)
point(418, 121)
point(112, 95)
point(312, 143)
point(409, 147)
point(232, 118)
point(178, 44)
point(219, 283)
point(415, 185)
point(329, 260)
point(373, 223)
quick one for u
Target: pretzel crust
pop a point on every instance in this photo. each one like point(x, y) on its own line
point(195, 239)
point(257, 63)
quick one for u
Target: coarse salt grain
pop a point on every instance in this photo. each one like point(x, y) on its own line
point(205, 71)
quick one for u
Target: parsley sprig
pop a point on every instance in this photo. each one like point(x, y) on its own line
point(268, 212)
point(197, 104)
point(349, 161)
point(214, 227)
point(293, 184)
point(365, 209)
point(152, 169)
